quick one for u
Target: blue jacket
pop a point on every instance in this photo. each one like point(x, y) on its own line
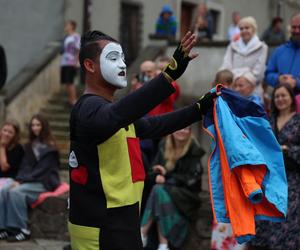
point(246, 169)
point(284, 60)
point(166, 27)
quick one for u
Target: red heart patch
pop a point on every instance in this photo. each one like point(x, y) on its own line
point(79, 175)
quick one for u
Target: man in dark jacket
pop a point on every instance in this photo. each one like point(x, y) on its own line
point(284, 64)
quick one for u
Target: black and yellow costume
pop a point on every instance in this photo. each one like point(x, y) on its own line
point(106, 170)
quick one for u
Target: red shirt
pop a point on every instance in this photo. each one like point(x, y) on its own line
point(168, 104)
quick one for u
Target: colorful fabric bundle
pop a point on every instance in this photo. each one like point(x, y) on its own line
point(246, 169)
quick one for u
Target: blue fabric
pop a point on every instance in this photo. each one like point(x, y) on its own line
point(256, 196)
point(166, 27)
point(284, 60)
point(248, 140)
point(255, 98)
point(244, 239)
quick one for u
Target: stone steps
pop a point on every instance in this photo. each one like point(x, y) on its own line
point(60, 125)
point(58, 113)
point(58, 117)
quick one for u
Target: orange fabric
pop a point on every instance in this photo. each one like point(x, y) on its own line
point(247, 179)
point(238, 185)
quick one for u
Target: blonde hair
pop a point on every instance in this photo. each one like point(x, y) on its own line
point(249, 20)
point(171, 155)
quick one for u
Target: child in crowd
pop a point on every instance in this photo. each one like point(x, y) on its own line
point(224, 77)
point(38, 173)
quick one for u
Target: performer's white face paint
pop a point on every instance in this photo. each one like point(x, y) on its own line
point(112, 65)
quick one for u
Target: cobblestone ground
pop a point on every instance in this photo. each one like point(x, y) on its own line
point(37, 244)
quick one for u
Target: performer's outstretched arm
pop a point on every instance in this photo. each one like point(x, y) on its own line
point(159, 126)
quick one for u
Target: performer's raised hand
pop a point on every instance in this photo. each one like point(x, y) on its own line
point(181, 57)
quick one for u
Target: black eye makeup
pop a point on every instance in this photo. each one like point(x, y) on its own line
point(113, 55)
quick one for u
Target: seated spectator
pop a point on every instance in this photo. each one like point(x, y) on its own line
point(11, 152)
point(245, 85)
point(224, 77)
point(174, 199)
point(274, 33)
point(286, 126)
point(233, 33)
point(202, 31)
point(166, 24)
point(38, 173)
point(284, 64)
point(247, 54)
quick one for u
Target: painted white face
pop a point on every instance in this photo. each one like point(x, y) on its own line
point(112, 65)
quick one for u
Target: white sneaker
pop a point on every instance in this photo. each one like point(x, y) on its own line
point(163, 247)
point(144, 240)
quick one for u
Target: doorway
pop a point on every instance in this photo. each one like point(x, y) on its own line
point(187, 14)
point(131, 32)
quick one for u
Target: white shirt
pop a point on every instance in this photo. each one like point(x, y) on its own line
point(233, 32)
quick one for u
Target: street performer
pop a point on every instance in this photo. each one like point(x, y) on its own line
point(106, 169)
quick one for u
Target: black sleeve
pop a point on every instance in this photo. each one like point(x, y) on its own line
point(158, 160)
point(160, 126)
point(103, 119)
point(191, 177)
point(15, 156)
point(42, 168)
point(3, 67)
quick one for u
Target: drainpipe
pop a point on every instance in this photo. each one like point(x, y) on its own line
point(279, 7)
point(87, 12)
point(2, 106)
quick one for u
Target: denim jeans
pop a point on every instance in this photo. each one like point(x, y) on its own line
point(14, 203)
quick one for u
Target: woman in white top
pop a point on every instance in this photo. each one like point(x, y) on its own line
point(247, 54)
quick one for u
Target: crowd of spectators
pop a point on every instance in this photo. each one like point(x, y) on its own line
point(26, 171)
point(248, 72)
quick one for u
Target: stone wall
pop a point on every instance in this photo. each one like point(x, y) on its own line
point(49, 220)
point(36, 94)
point(26, 27)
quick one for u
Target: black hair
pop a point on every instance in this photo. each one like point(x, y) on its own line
point(276, 20)
point(274, 110)
point(89, 48)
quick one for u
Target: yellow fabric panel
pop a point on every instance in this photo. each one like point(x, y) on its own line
point(84, 238)
point(115, 170)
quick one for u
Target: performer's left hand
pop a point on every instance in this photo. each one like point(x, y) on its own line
point(181, 57)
